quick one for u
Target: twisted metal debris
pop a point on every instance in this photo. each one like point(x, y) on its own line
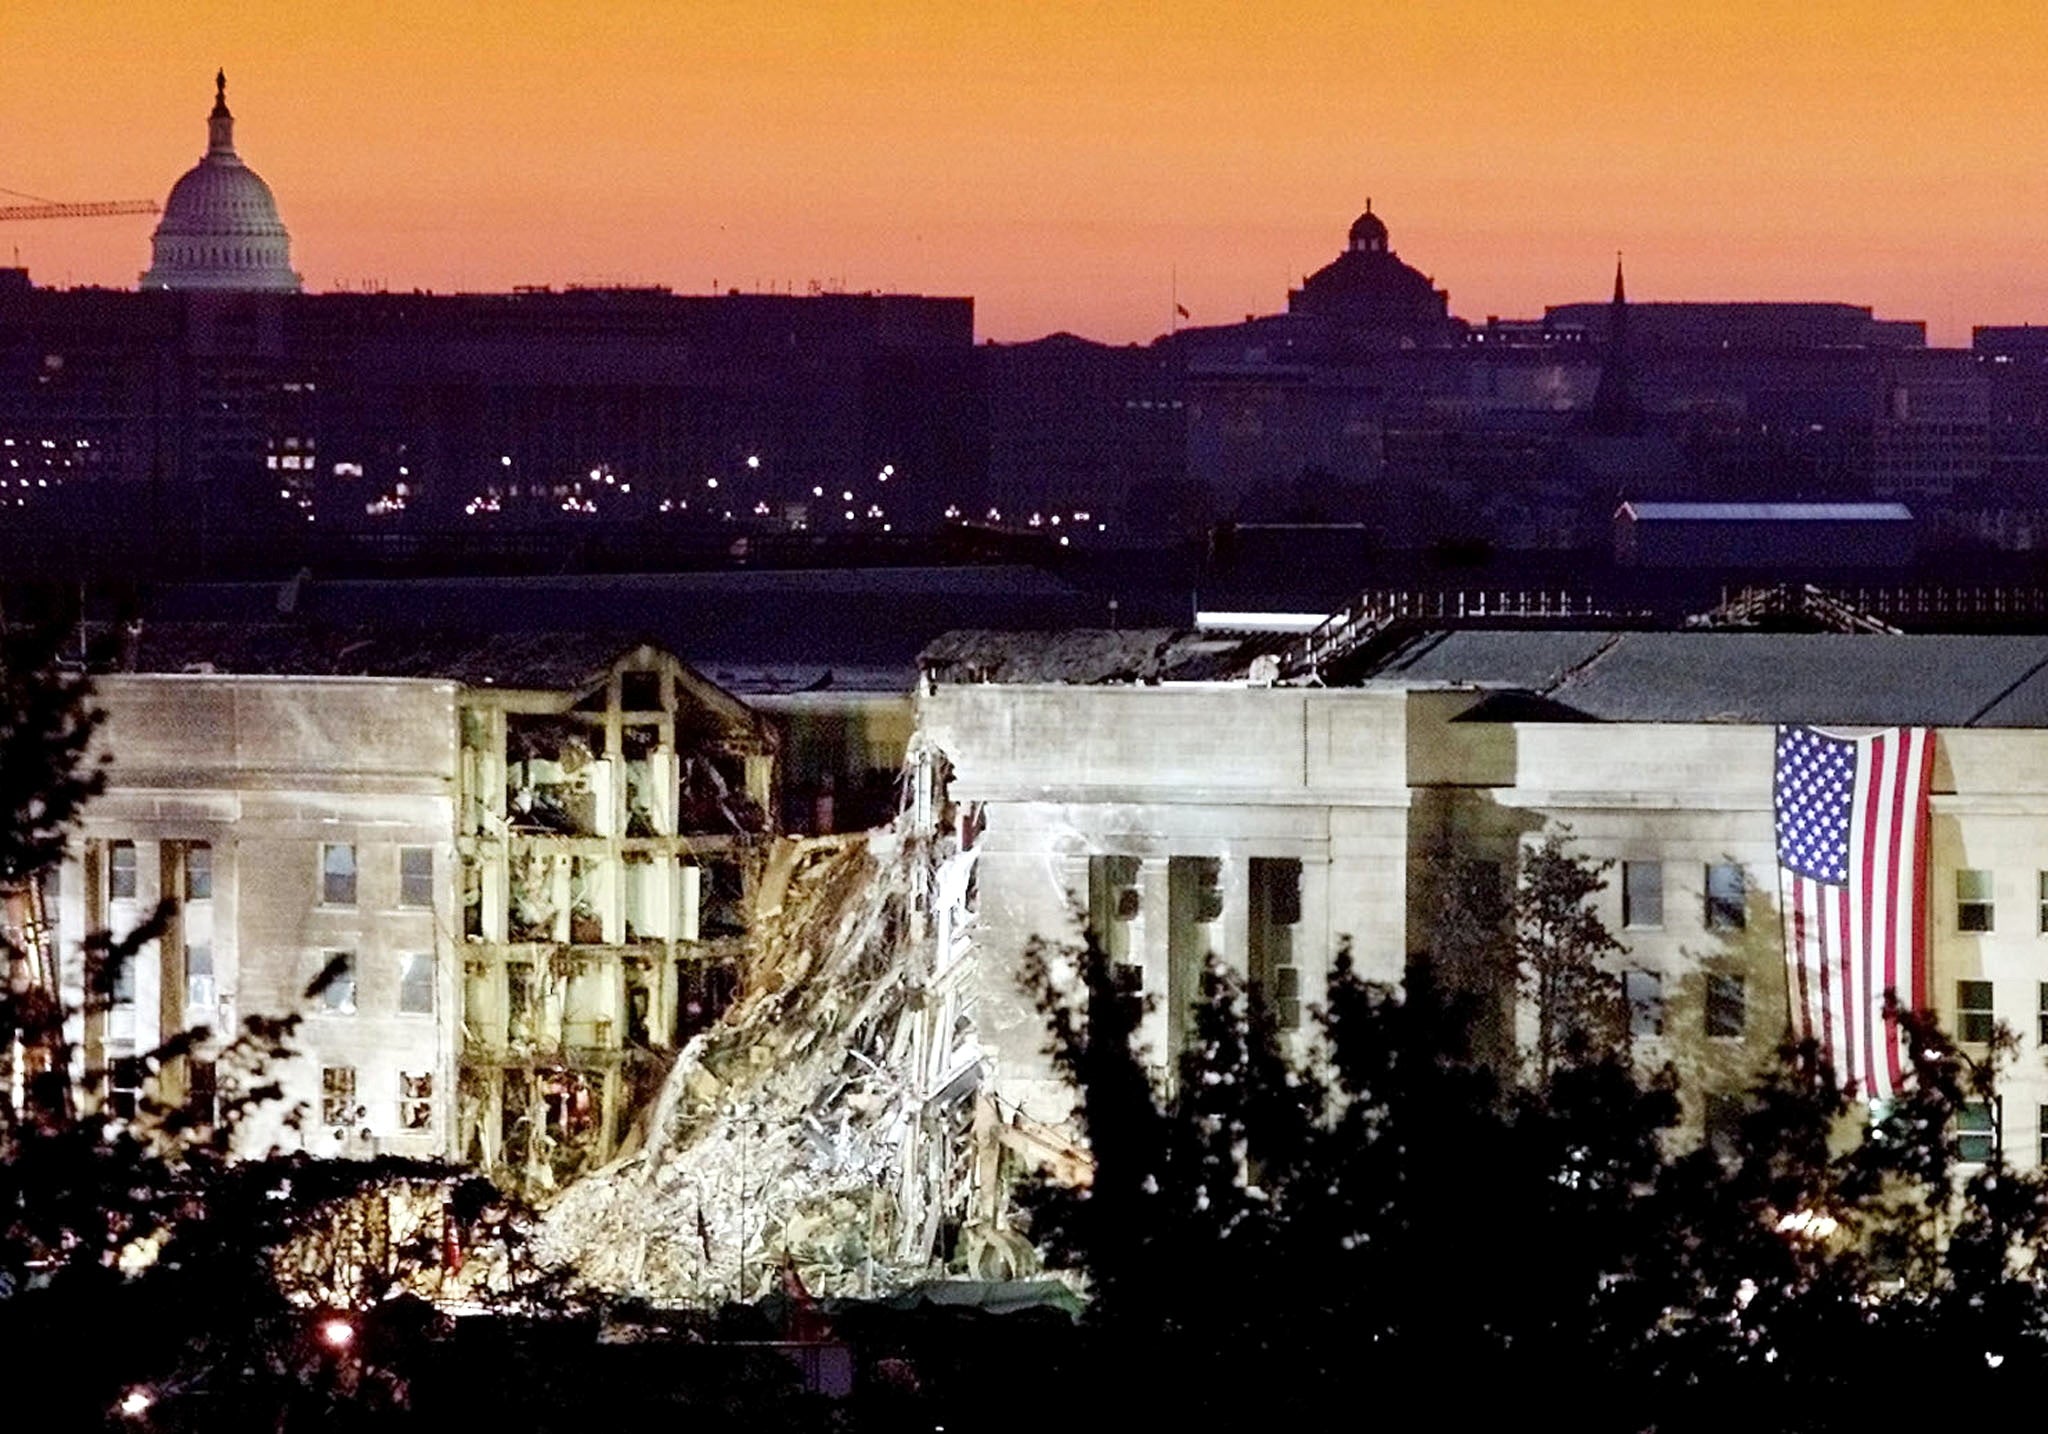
point(832, 1121)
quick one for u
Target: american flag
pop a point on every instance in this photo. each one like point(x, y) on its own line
point(1852, 881)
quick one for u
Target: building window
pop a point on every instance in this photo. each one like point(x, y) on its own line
point(337, 1095)
point(337, 874)
point(1727, 897)
point(416, 984)
point(202, 1092)
point(1973, 901)
point(1727, 1006)
point(1642, 895)
point(1205, 877)
point(1974, 1019)
point(124, 1086)
point(1113, 905)
point(2042, 878)
point(1976, 1131)
point(121, 871)
point(2043, 1034)
point(337, 984)
point(198, 872)
point(121, 981)
point(415, 1100)
point(1276, 911)
point(1644, 992)
point(199, 989)
point(415, 876)
point(1723, 1125)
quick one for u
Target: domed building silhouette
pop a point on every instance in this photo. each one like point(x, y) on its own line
point(1368, 288)
point(220, 229)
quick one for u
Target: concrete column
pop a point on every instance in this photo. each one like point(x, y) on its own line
point(1315, 945)
point(1152, 934)
point(170, 964)
point(1230, 935)
point(558, 887)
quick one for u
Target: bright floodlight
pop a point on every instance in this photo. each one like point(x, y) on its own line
point(337, 1333)
point(753, 461)
point(136, 1402)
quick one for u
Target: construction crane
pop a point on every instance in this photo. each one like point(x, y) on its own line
point(42, 208)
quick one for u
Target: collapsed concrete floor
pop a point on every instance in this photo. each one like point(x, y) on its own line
point(836, 1120)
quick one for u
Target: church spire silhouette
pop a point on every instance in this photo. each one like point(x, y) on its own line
point(1614, 409)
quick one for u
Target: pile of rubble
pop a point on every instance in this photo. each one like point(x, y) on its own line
point(833, 1120)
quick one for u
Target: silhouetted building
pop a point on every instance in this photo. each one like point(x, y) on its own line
point(222, 418)
point(1656, 327)
point(1368, 291)
point(1800, 537)
point(1090, 437)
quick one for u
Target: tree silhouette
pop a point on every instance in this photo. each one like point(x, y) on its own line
point(1559, 945)
point(1387, 1222)
point(139, 1257)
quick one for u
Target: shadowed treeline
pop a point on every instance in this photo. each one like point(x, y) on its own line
point(1388, 1223)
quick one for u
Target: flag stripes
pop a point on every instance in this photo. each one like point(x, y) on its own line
point(1852, 869)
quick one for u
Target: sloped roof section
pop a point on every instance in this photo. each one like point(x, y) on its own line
point(1827, 679)
point(1823, 678)
point(1657, 512)
point(1534, 661)
point(553, 661)
point(1080, 655)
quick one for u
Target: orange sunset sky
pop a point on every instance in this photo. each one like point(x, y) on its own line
point(1062, 163)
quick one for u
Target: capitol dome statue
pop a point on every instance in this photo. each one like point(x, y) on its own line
point(220, 228)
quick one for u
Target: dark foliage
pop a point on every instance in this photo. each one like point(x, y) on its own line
point(138, 1257)
point(1389, 1226)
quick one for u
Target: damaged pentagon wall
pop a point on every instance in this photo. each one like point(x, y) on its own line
point(611, 841)
point(839, 1120)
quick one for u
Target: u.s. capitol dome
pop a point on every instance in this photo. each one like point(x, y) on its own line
point(220, 228)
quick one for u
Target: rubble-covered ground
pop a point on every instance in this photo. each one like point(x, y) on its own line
point(832, 1121)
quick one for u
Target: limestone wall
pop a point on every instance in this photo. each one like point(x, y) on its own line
point(265, 773)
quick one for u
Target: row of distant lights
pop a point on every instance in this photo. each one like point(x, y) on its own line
point(1038, 520)
point(47, 445)
point(577, 502)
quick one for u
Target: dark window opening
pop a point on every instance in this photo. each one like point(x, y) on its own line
point(415, 876)
point(1976, 1131)
point(337, 993)
point(198, 872)
point(1976, 1020)
point(1642, 894)
point(415, 1100)
point(703, 990)
point(1275, 912)
point(337, 874)
point(121, 871)
point(1727, 898)
point(1113, 903)
point(640, 691)
point(202, 1092)
point(1644, 992)
point(199, 987)
point(338, 1095)
point(416, 984)
point(1727, 1006)
point(1974, 909)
